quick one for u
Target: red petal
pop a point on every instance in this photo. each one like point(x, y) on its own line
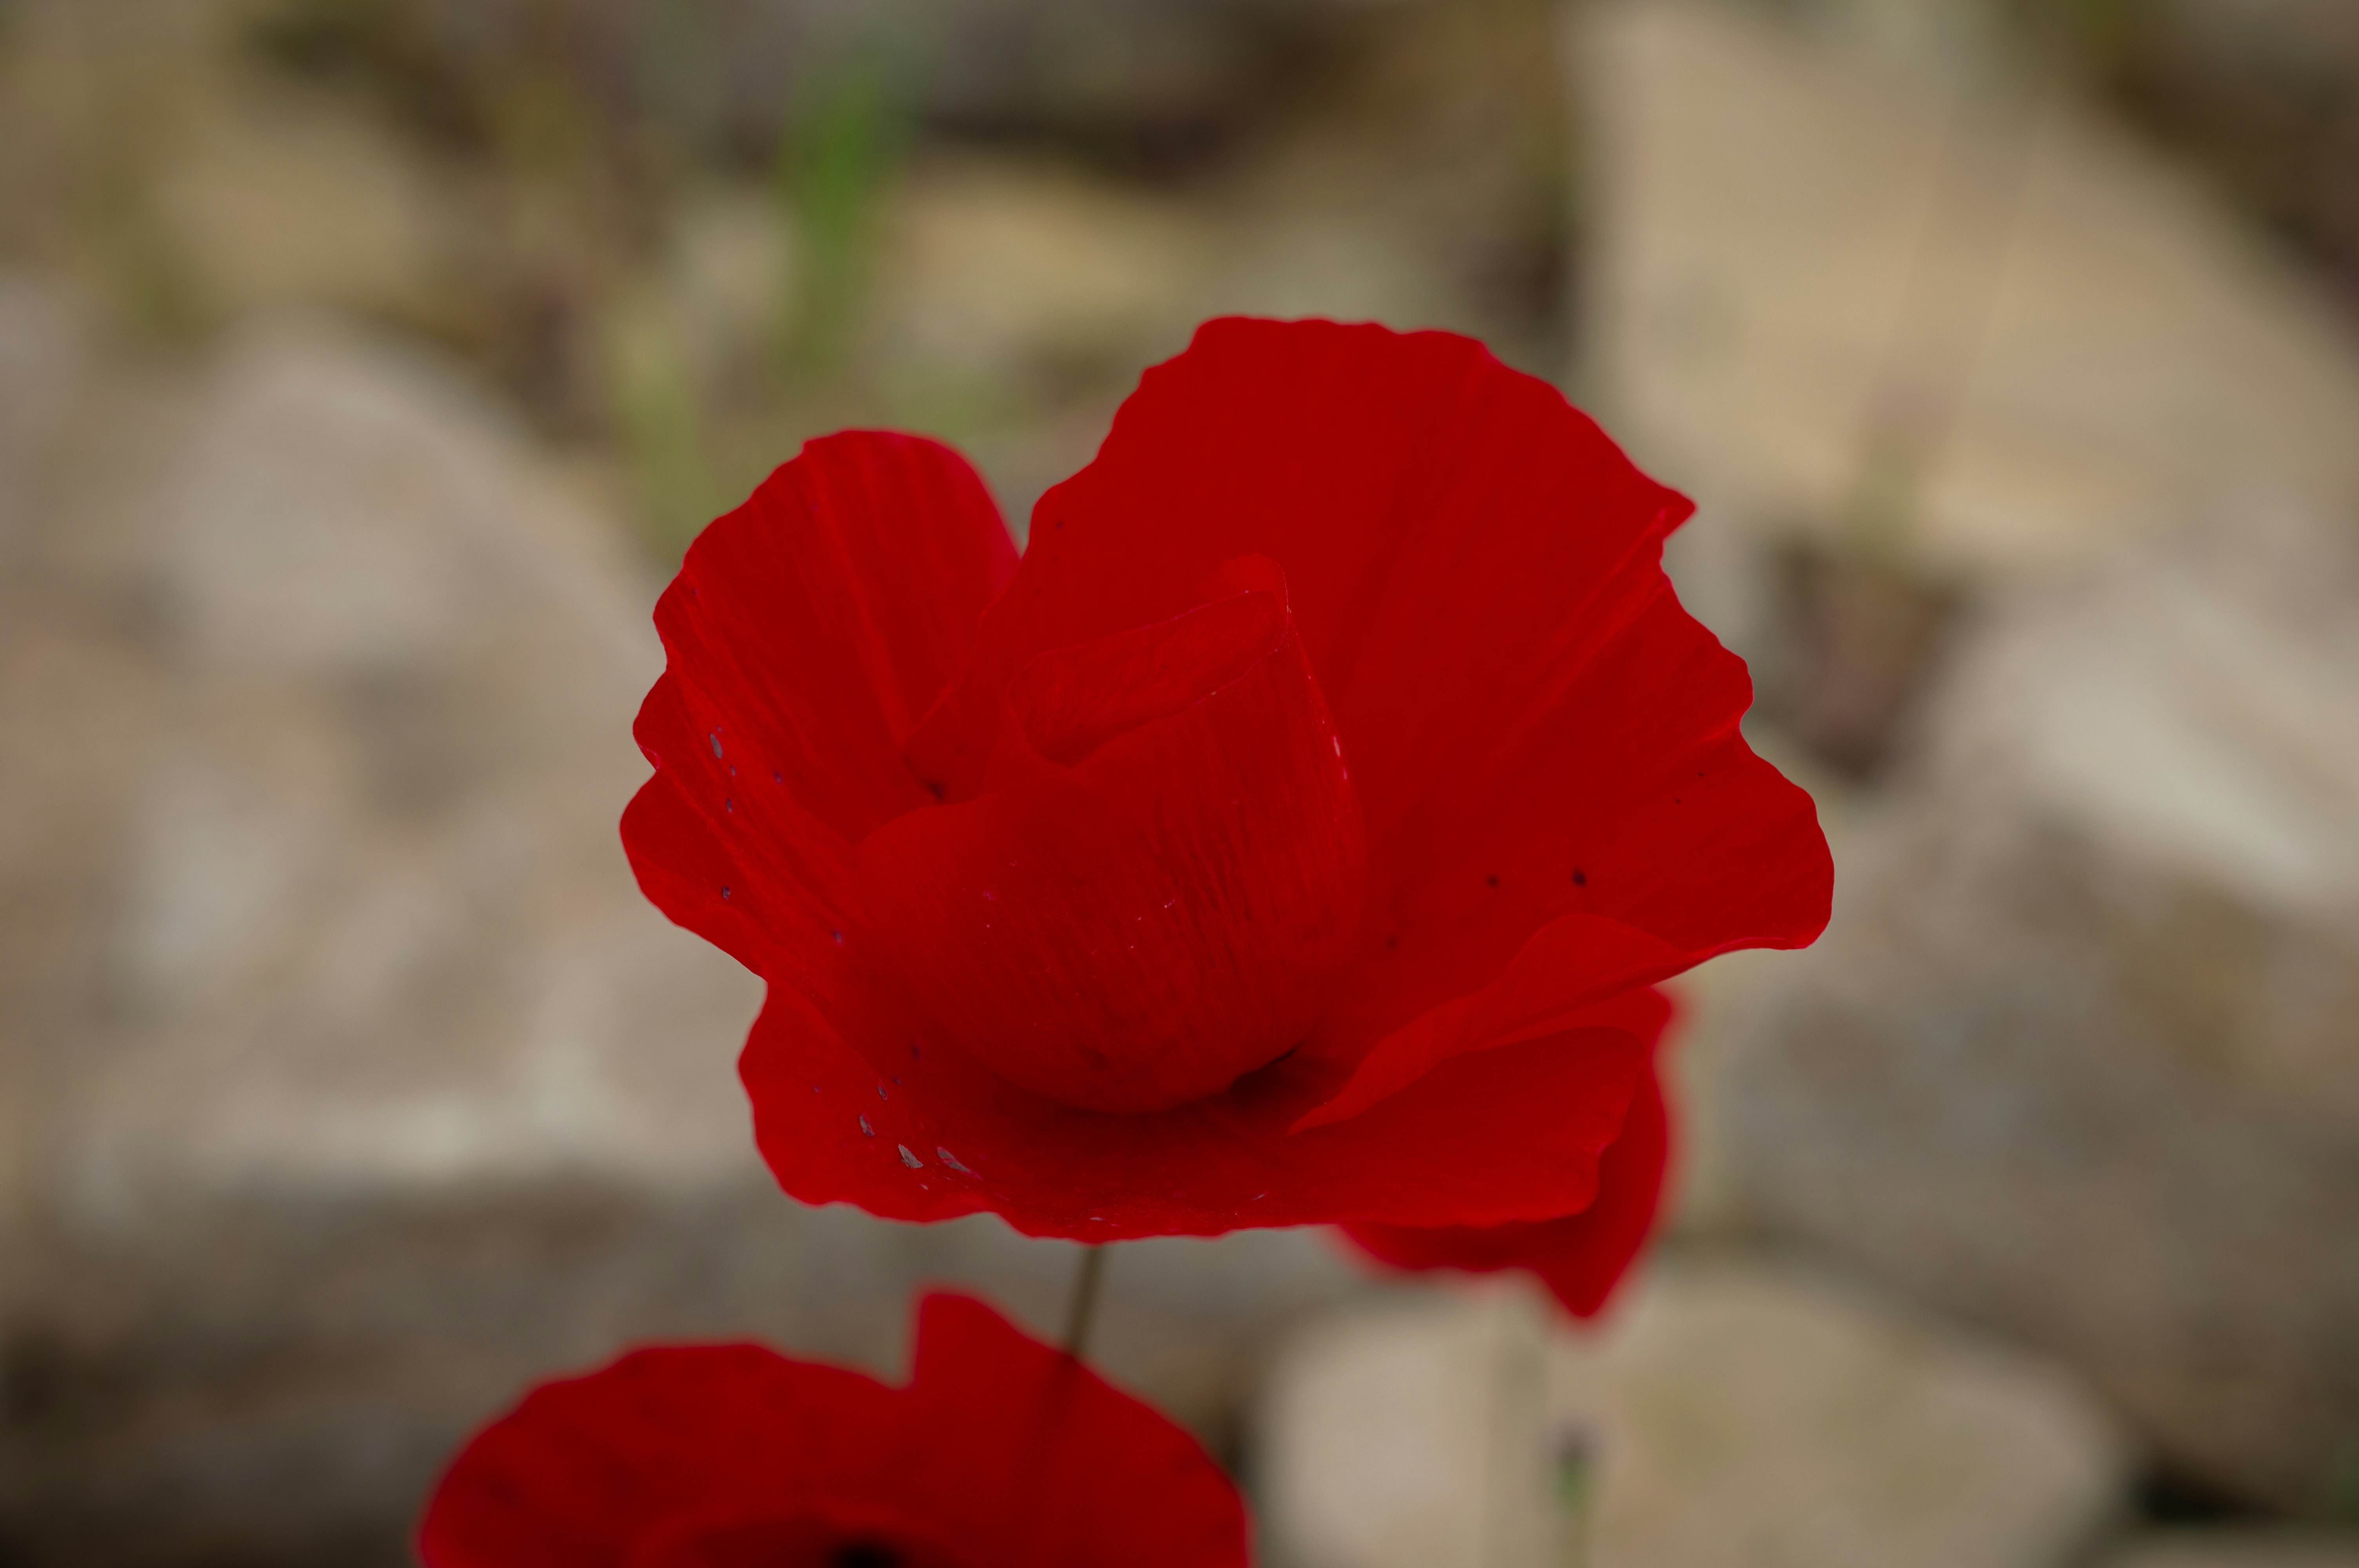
point(1579, 1257)
point(1446, 526)
point(1539, 735)
point(765, 882)
point(585, 1466)
point(1070, 701)
point(1076, 1471)
point(1571, 966)
point(1505, 1134)
point(1631, 796)
point(1001, 1450)
point(836, 1127)
point(807, 633)
point(1535, 727)
point(1142, 929)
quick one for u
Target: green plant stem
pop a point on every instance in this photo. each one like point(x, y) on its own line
point(1082, 1311)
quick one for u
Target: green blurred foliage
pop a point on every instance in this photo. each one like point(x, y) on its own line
point(661, 425)
point(832, 171)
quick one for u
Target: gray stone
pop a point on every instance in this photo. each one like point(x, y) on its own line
point(1726, 1412)
point(2077, 1057)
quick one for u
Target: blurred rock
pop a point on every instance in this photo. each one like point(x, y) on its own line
point(731, 268)
point(367, 946)
point(1807, 263)
point(1407, 1433)
point(1727, 1413)
point(34, 338)
point(1156, 81)
point(2263, 93)
point(2235, 1549)
point(40, 355)
point(2078, 1056)
point(1825, 1426)
point(1005, 278)
point(68, 702)
point(373, 1089)
point(405, 669)
point(267, 201)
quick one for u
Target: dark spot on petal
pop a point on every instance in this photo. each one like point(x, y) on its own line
point(729, 803)
point(724, 893)
point(715, 739)
point(1492, 881)
point(863, 1554)
point(838, 937)
point(1579, 878)
point(881, 1094)
point(776, 777)
point(1391, 942)
point(934, 787)
point(916, 1053)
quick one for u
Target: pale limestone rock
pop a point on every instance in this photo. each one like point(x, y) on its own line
point(269, 201)
point(1746, 1415)
point(997, 271)
point(1787, 231)
point(2077, 1056)
point(1407, 1433)
point(732, 268)
point(377, 916)
point(1729, 1413)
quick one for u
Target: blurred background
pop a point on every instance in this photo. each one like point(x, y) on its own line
point(366, 365)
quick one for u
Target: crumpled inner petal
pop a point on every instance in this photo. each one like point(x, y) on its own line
point(1163, 875)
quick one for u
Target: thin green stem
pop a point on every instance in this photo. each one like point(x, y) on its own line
point(1084, 1310)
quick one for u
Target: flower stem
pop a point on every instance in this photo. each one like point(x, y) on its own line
point(1083, 1309)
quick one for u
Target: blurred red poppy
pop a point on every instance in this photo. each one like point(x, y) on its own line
point(1579, 1256)
point(999, 1451)
point(1282, 842)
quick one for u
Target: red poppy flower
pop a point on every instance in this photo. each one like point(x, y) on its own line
point(1579, 1256)
point(999, 1451)
point(1277, 844)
